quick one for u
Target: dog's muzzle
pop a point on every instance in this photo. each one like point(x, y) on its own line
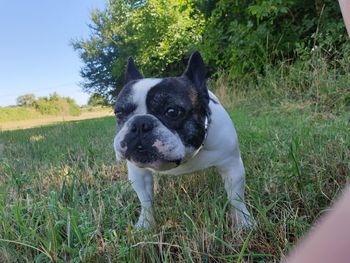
point(145, 140)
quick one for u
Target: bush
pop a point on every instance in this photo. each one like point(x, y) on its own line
point(97, 100)
point(243, 37)
point(46, 107)
point(57, 105)
point(74, 109)
point(54, 105)
point(26, 100)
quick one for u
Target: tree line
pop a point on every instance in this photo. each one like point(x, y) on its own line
point(54, 104)
point(240, 38)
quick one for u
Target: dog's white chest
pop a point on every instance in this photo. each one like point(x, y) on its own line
point(199, 162)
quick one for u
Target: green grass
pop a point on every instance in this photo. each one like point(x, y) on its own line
point(10, 114)
point(64, 198)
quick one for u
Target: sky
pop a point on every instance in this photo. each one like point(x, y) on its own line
point(35, 52)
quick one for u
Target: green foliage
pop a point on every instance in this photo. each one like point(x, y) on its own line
point(240, 37)
point(56, 105)
point(73, 108)
point(317, 83)
point(159, 34)
point(26, 100)
point(17, 114)
point(243, 37)
point(34, 108)
point(97, 100)
point(46, 107)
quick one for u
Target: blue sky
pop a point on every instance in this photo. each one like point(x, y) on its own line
point(35, 51)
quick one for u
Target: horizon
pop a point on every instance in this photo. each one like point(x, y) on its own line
point(46, 96)
point(37, 57)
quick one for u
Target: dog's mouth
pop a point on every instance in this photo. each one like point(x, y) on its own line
point(144, 162)
point(154, 154)
point(154, 161)
point(177, 161)
point(141, 153)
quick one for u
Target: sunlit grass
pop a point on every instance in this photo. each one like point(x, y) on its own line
point(64, 198)
point(42, 120)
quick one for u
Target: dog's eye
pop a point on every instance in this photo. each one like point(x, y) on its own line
point(173, 113)
point(125, 110)
point(120, 116)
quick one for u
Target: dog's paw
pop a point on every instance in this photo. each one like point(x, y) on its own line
point(144, 223)
point(243, 220)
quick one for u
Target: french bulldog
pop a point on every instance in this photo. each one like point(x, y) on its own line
point(174, 126)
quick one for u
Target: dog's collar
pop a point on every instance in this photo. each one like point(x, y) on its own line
point(196, 152)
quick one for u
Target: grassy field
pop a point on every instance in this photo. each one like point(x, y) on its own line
point(64, 198)
point(42, 120)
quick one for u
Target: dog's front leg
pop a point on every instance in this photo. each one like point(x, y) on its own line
point(233, 175)
point(142, 182)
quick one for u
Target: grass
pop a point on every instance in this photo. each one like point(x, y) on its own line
point(17, 113)
point(47, 119)
point(64, 198)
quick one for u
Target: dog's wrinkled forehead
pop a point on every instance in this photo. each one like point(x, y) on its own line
point(140, 91)
point(172, 92)
point(134, 95)
point(142, 95)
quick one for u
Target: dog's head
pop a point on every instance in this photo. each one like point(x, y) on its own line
point(160, 122)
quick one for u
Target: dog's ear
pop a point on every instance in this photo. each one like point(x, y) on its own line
point(132, 73)
point(195, 72)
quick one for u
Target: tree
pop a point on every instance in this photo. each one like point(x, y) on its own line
point(239, 37)
point(97, 100)
point(159, 34)
point(26, 100)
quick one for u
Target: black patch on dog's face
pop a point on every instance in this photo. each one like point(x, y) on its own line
point(178, 105)
point(124, 105)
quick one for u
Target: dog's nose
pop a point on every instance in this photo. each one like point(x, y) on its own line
point(142, 124)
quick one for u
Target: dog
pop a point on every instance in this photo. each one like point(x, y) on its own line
point(174, 126)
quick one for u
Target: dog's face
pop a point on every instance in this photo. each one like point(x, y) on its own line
point(161, 121)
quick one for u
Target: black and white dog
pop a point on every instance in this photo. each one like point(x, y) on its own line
point(175, 126)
